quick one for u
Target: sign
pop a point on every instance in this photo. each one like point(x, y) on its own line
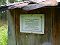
point(32, 23)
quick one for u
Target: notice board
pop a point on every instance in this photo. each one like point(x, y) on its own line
point(32, 23)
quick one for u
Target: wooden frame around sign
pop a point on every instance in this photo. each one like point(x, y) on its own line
point(32, 23)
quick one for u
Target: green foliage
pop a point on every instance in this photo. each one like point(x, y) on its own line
point(18, 0)
point(2, 2)
point(3, 35)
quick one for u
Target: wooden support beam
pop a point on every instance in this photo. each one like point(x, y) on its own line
point(11, 30)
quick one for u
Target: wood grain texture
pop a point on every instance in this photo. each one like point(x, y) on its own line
point(57, 27)
point(11, 30)
point(48, 38)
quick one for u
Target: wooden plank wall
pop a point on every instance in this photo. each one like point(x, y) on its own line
point(57, 27)
point(35, 39)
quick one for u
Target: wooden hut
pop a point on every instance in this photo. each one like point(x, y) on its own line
point(51, 35)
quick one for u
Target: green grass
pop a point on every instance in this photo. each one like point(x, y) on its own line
point(3, 34)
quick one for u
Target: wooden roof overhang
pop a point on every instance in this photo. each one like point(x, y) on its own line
point(43, 10)
point(27, 6)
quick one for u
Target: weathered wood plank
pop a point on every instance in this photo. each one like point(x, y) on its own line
point(11, 30)
point(48, 38)
point(57, 27)
point(34, 39)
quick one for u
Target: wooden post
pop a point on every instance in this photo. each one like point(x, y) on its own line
point(11, 29)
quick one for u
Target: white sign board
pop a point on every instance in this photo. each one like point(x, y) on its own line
point(32, 23)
